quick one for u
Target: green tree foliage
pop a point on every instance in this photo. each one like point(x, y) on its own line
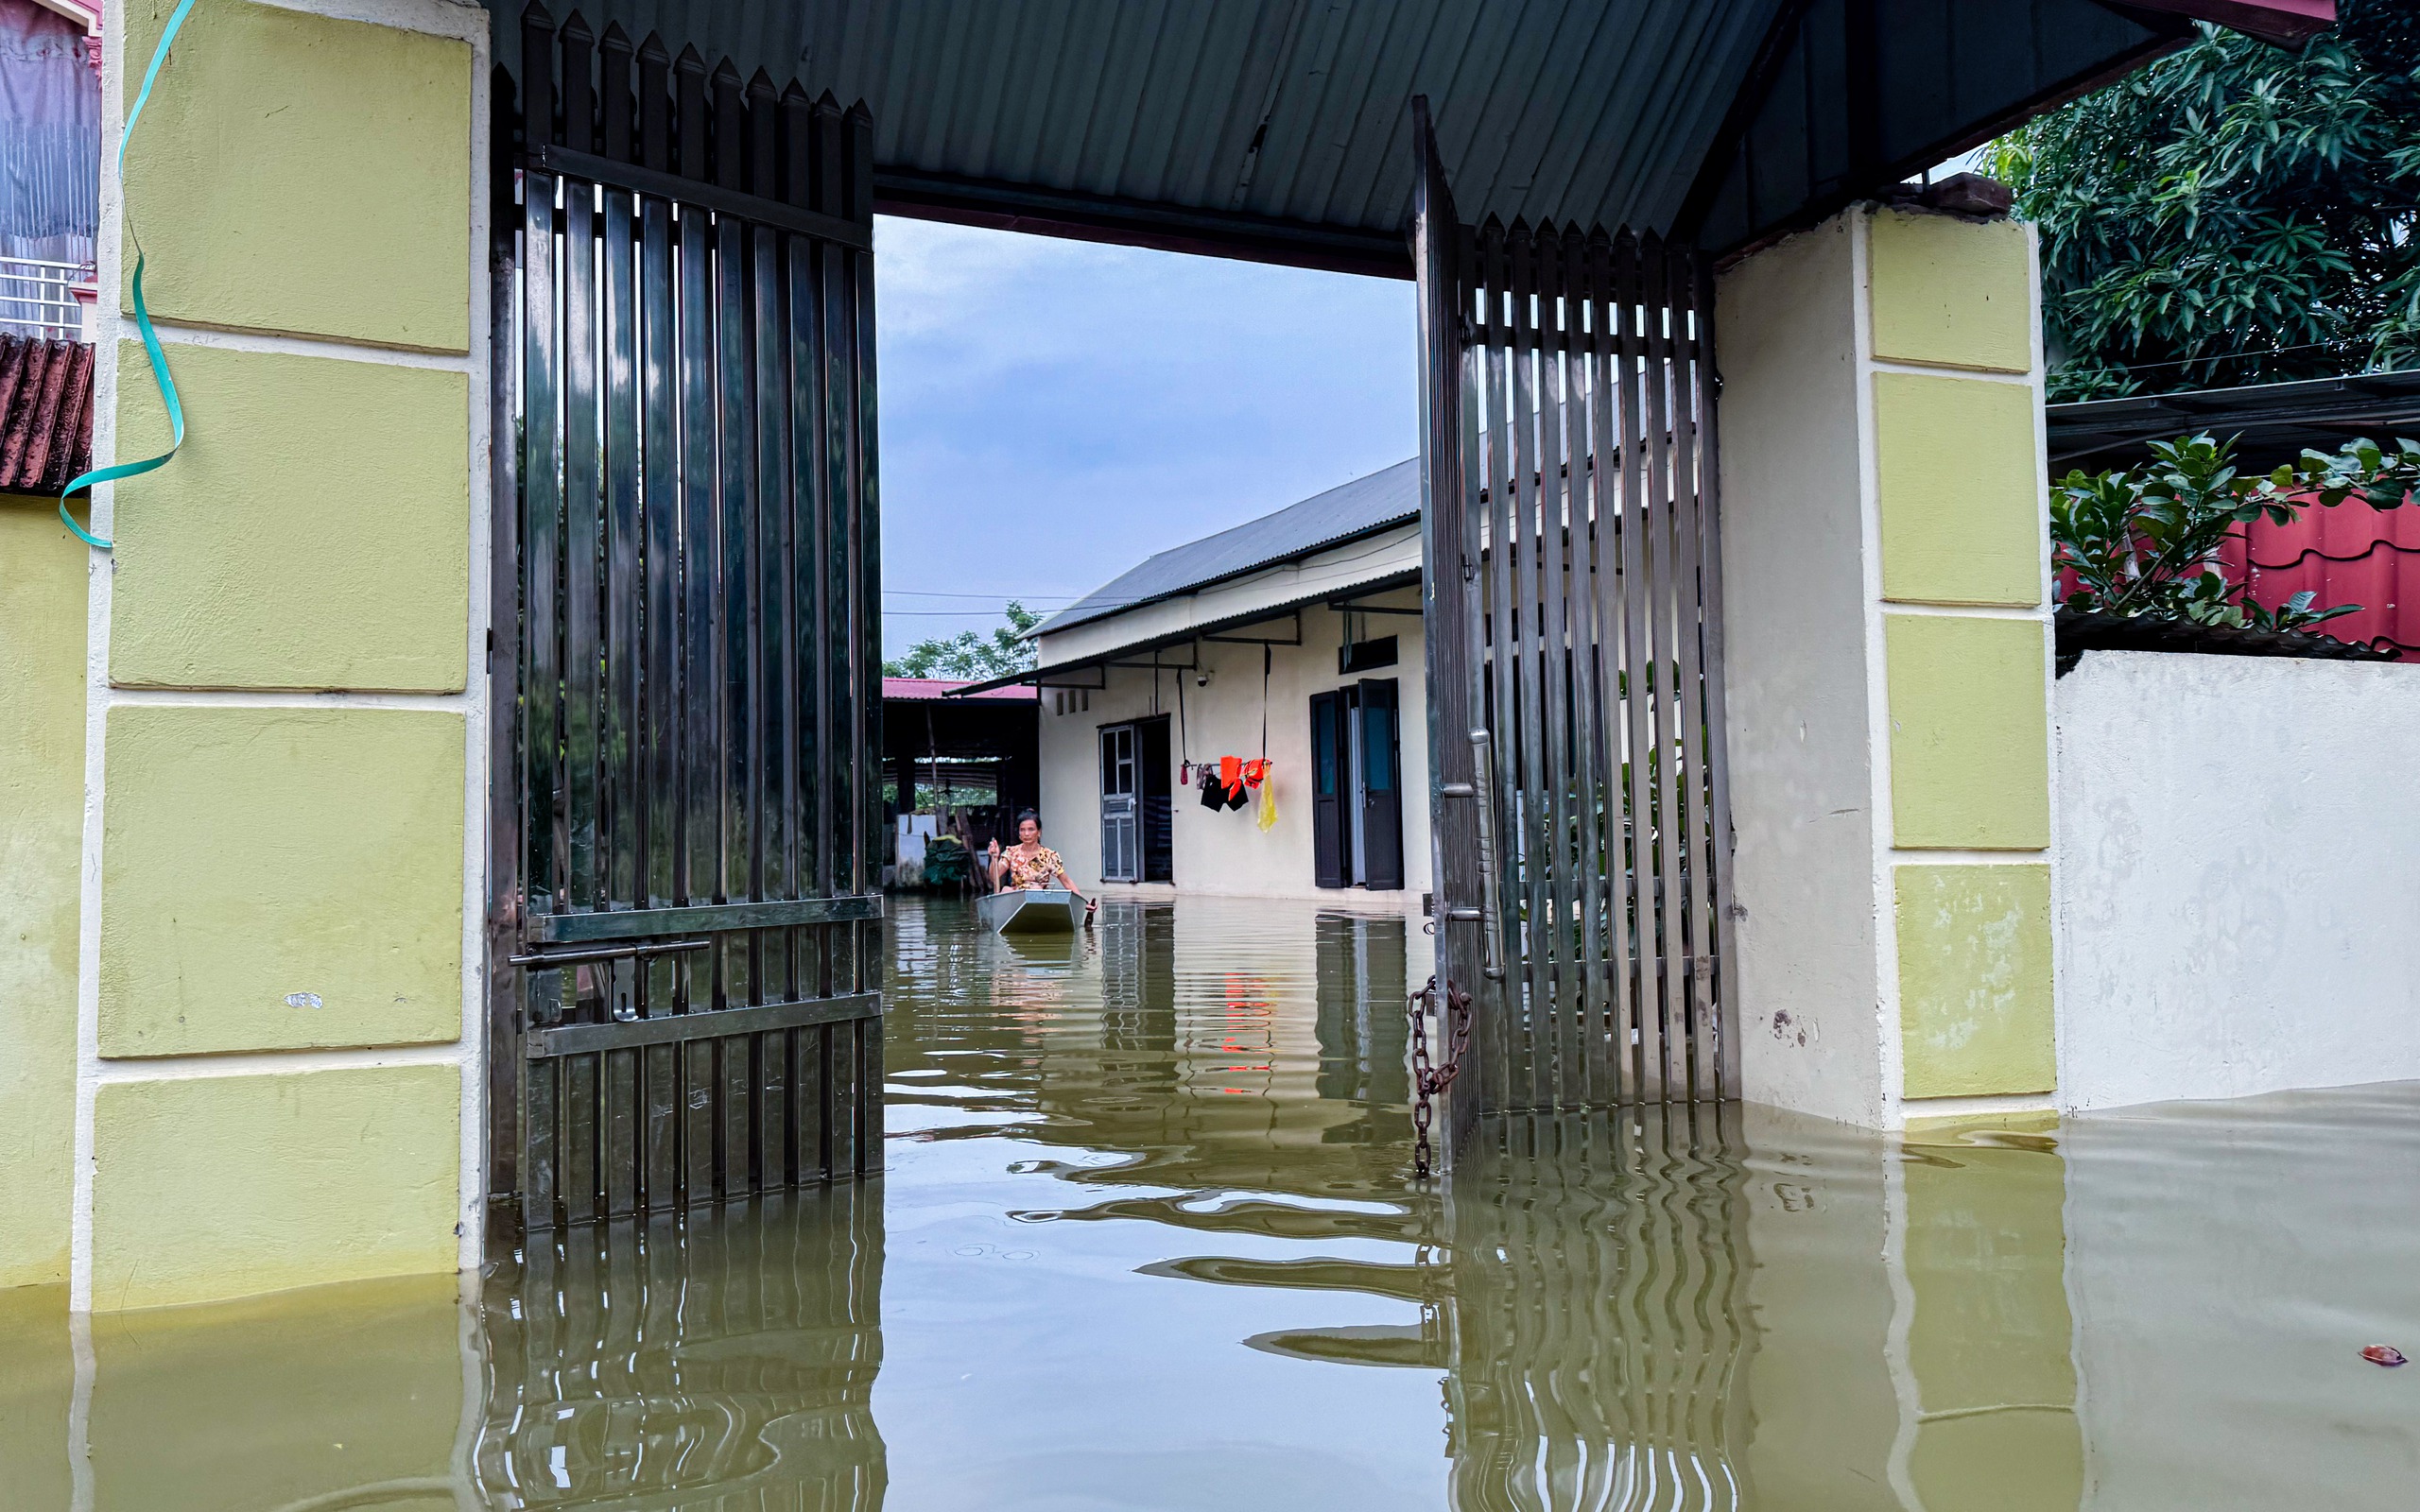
point(972, 655)
point(2235, 213)
point(2144, 542)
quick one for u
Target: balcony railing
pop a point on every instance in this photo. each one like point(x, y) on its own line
point(42, 297)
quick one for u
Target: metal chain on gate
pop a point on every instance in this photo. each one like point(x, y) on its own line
point(1430, 1081)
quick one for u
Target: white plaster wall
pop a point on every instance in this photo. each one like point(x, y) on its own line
point(2239, 901)
point(1225, 852)
point(1807, 883)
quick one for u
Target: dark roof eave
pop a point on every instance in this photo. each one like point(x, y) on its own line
point(1124, 222)
point(2088, 427)
point(1195, 632)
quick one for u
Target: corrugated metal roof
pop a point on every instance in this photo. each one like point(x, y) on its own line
point(1279, 128)
point(1293, 111)
point(1849, 96)
point(45, 413)
point(1388, 497)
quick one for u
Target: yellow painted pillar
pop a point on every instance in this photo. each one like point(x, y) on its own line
point(281, 835)
point(41, 828)
point(1887, 604)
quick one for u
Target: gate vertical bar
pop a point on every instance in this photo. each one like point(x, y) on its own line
point(769, 770)
point(1507, 1070)
point(1725, 1009)
point(1485, 985)
point(804, 301)
point(1695, 954)
point(839, 323)
point(506, 986)
point(869, 643)
point(1556, 540)
point(701, 661)
point(1663, 602)
point(1525, 746)
point(618, 743)
point(1587, 748)
point(1639, 881)
point(740, 626)
point(660, 613)
point(542, 826)
point(584, 483)
point(1608, 484)
point(1449, 578)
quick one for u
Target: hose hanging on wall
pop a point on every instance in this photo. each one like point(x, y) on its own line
point(158, 359)
point(1266, 656)
point(1183, 741)
point(1267, 782)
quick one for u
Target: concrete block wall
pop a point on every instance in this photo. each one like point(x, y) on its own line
point(255, 756)
point(1886, 594)
point(2240, 876)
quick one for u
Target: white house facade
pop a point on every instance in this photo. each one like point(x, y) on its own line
point(1293, 639)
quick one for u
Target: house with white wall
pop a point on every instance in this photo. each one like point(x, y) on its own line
point(1295, 639)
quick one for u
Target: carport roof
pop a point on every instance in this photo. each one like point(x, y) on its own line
point(1278, 129)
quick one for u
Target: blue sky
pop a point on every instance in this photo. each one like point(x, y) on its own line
point(1054, 411)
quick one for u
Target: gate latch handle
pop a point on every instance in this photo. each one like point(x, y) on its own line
point(543, 960)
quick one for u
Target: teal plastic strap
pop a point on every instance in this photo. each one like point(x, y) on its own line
point(142, 313)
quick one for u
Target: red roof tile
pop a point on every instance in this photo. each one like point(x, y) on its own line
point(45, 413)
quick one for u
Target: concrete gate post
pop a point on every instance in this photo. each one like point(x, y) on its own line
point(275, 752)
point(1886, 602)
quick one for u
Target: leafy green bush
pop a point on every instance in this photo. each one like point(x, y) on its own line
point(2144, 542)
point(2234, 214)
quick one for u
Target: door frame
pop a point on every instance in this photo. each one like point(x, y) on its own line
point(1129, 858)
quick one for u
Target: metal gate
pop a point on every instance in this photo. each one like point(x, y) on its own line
point(1582, 816)
point(685, 939)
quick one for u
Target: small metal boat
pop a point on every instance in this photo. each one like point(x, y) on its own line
point(1032, 911)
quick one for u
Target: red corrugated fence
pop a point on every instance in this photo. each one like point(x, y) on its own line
point(2351, 553)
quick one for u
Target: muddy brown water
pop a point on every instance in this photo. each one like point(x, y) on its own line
point(1147, 1240)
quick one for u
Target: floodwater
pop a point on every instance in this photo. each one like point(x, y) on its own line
point(1147, 1240)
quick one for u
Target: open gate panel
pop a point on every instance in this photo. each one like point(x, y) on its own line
point(686, 943)
point(1575, 624)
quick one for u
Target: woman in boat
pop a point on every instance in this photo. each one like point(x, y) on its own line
point(1030, 864)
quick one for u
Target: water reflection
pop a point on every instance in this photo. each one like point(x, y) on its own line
point(1599, 1323)
point(729, 1364)
point(1147, 1239)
